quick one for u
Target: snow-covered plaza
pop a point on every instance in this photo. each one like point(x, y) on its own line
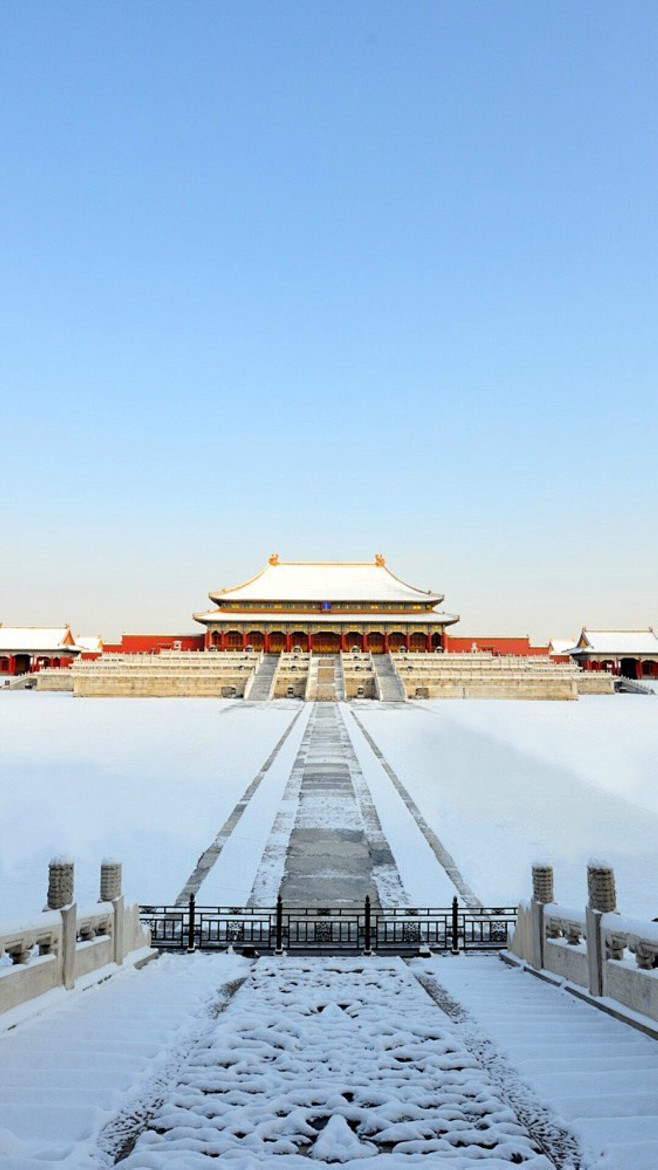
point(280, 1059)
point(502, 784)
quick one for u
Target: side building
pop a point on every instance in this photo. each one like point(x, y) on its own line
point(326, 608)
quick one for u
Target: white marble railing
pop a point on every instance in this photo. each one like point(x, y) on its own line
point(610, 955)
point(57, 948)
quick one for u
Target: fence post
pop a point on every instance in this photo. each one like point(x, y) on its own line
point(368, 948)
point(191, 931)
point(542, 895)
point(278, 947)
point(455, 926)
point(602, 900)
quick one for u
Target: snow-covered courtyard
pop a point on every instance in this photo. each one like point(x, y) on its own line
point(501, 784)
point(286, 1059)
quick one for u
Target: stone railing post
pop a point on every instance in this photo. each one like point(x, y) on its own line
point(60, 897)
point(60, 883)
point(542, 895)
point(111, 892)
point(110, 880)
point(69, 944)
point(602, 899)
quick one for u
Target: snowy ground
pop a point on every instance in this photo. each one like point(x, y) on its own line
point(500, 783)
point(507, 783)
point(149, 781)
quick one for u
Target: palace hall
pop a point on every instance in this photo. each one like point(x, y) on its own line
point(326, 608)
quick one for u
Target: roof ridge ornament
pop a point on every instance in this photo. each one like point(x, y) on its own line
point(274, 559)
point(380, 561)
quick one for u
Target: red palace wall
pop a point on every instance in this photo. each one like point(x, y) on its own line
point(153, 643)
point(495, 645)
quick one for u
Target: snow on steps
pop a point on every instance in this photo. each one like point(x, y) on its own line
point(388, 684)
point(261, 685)
point(70, 1067)
point(338, 1061)
point(596, 1073)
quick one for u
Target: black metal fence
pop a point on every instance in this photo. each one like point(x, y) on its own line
point(362, 929)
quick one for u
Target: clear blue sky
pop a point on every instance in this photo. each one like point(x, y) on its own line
point(329, 279)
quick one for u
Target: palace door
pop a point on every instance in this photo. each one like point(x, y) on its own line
point(326, 643)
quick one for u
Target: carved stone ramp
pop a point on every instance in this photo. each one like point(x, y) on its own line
point(445, 859)
point(327, 847)
point(325, 1062)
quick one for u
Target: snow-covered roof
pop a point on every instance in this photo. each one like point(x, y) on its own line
point(330, 581)
point(30, 639)
point(341, 618)
point(561, 646)
point(92, 643)
point(618, 643)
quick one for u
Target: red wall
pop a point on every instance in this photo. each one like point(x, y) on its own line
point(496, 645)
point(153, 643)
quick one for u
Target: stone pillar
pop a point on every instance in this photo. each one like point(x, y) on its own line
point(110, 880)
point(542, 883)
point(602, 899)
point(601, 891)
point(60, 883)
point(542, 894)
point(69, 944)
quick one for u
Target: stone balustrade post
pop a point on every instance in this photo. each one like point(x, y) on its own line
point(602, 899)
point(542, 894)
point(111, 892)
point(110, 880)
point(60, 883)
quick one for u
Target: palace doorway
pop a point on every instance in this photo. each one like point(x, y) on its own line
point(326, 643)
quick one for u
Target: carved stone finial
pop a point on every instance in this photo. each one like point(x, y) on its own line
point(60, 883)
point(542, 883)
point(274, 559)
point(601, 887)
point(379, 560)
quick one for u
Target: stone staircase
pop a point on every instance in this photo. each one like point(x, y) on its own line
point(263, 682)
point(388, 684)
point(321, 685)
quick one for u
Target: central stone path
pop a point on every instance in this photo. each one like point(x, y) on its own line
point(328, 860)
point(327, 847)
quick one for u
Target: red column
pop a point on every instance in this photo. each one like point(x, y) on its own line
point(222, 640)
point(310, 642)
point(288, 643)
point(266, 646)
point(407, 641)
point(365, 644)
point(12, 664)
point(385, 641)
point(343, 646)
point(245, 641)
